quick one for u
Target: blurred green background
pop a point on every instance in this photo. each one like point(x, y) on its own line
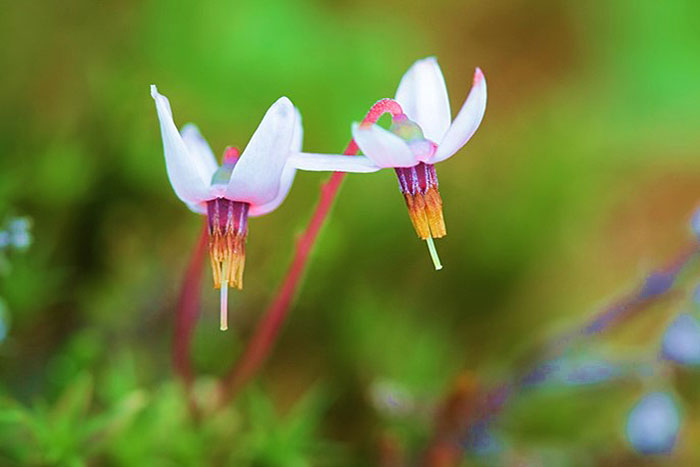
point(581, 179)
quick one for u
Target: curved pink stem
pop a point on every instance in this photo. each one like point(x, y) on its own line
point(269, 325)
point(188, 309)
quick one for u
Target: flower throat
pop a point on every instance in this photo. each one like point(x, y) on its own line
point(228, 229)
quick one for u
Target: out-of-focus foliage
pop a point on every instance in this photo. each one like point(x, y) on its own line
point(581, 179)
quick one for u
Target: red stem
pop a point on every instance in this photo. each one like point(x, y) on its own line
point(269, 325)
point(188, 310)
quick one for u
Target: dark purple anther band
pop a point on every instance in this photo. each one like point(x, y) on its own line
point(417, 179)
point(228, 216)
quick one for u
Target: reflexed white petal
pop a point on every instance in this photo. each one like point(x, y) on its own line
point(383, 147)
point(423, 96)
point(188, 181)
point(199, 149)
point(285, 185)
point(466, 122)
point(256, 176)
point(332, 163)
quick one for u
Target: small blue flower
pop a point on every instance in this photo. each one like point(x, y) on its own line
point(657, 283)
point(20, 234)
point(695, 223)
point(681, 342)
point(16, 234)
point(653, 424)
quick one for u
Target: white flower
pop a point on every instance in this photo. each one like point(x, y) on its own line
point(424, 135)
point(423, 96)
point(254, 183)
point(261, 176)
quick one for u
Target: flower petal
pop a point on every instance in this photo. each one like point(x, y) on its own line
point(286, 180)
point(383, 147)
point(200, 208)
point(298, 135)
point(186, 176)
point(256, 176)
point(423, 96)
point(332, 163)
point(287, 173)
point(466, 122)
point(199, 149)
point(327, 162)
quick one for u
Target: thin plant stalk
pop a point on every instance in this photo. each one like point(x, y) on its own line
point(187, 314)
point(268, 328)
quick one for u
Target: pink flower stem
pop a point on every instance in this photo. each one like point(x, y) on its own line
point(188, 310)
point(269, 325)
